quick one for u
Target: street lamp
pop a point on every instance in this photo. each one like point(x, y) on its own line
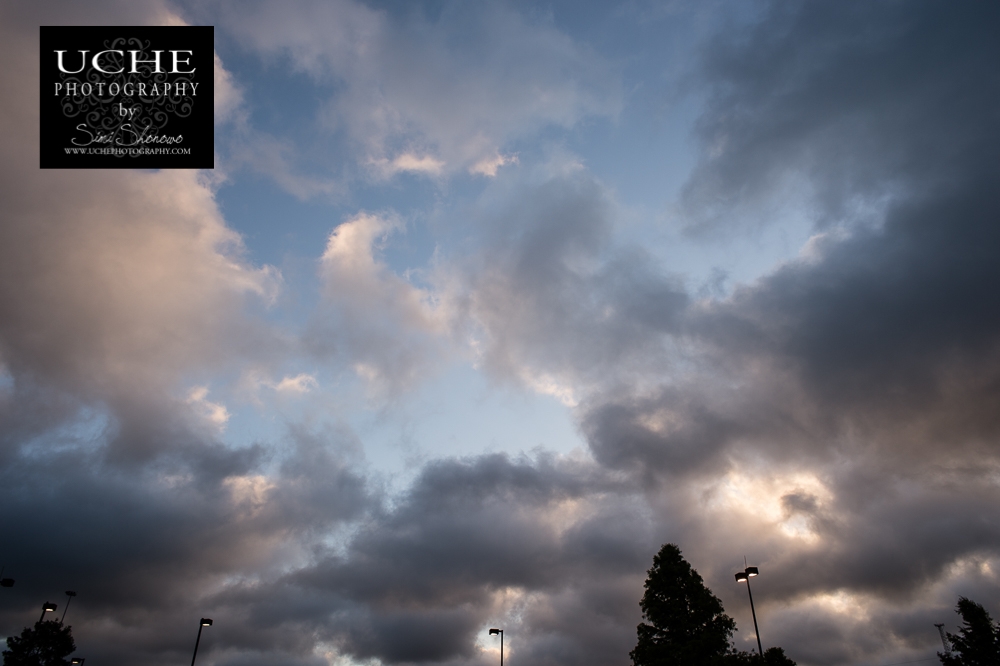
point(205, 622)
point(494, 632)
point(47, 608)
point(744, 577)
point(70, 594)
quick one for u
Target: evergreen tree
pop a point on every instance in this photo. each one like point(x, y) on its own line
point(774, 656)
point(47, 644)
point(687, 625)
point(978, 639)
point(684, 622)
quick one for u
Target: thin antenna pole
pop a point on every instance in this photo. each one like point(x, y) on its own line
point(69, 597)
point(944, 641)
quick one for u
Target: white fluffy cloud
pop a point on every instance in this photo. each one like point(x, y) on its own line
point(385, 327)
point(114, 282)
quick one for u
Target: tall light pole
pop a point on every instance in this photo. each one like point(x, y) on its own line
point(204, 622)
point(494, 632)
point(744, 577)
point(70, 594)
point(47, 608)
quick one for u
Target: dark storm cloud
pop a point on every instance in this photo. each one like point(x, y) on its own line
point(159, 543)
point(897, 320)
point(481, 523)
point(621, 437)
point(119, 290)
point(891, 538)
point(898, 113)
point(874, 360)
point(420, 580)
point(893, 326)
point(855, 100)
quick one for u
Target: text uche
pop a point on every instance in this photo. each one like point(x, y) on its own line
point(100, 60)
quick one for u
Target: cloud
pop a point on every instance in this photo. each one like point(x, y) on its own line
point(118, 288)
point(300, 383)
point(213, 412)
point(845, 120)
point(834, 421)
point(408, 162)
point(119, 291)
point(847, 397)
point(868, 364)
point(489, 166)
point(147, 552)
point(228, 95)
point(548, 298)
point(410, 98)
point(486, 540)
point(388, 329)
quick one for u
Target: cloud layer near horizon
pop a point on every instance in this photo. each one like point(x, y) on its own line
point(835, 420)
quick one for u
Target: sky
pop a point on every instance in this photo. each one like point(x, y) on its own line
point(485, 301)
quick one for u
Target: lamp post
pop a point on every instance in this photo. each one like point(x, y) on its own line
point(494, 632)
point(70, 594)
point(744, 577)
point(47, 608)
point(205, 622)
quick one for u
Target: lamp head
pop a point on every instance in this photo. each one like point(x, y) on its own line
point(77, 660)
point(48, 607)
point(751, 572)
point(494, 632)
point(206, 622)
point(6, 582)
point(741, 577)
point(70, 593)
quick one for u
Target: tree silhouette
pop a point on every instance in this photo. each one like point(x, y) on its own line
point(46, 644)
point(686, 624)
point(774, 656)
point(978, 639)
